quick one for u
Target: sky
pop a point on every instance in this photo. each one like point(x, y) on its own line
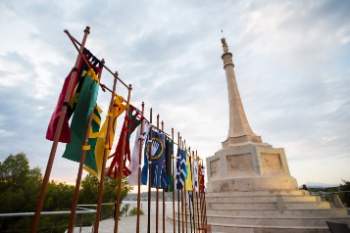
point(292, 65)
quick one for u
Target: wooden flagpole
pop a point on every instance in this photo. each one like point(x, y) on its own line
point(105, 154)
point(163, 193)
point(46, 178)
point(182, 198)
point(80, 170)
point(157, 190)
point(121, 166)
point(185, 196)
point(194, 196)
point(197, 196)
point(149, 176)
point(178, 180)
point(78, 181)
point(139, 173)
point(173, 179)
point(190, 199)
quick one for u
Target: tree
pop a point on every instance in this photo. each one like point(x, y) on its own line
point(345, 196)
point(90, 187)
point(19, 189)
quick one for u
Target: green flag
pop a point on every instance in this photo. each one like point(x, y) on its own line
point(84, 107)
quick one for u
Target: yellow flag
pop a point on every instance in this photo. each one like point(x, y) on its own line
point(118, 109)
point(188, 181)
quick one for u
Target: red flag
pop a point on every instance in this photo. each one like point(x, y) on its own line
point(201, 179)
point(132, 120)
point(51, 129)
point(65, 132)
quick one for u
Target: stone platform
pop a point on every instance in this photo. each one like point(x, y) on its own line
point(287, 211)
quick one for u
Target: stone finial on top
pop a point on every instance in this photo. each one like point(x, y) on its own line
point(224, 45)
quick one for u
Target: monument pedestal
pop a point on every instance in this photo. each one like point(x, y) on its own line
point(250, 190)
point(249, 166)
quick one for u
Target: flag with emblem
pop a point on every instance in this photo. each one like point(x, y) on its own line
point(155, 156)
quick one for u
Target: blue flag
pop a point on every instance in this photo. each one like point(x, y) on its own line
point(180, 168)
point(155, 156)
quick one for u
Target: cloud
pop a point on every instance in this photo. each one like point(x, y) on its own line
point(291, 63)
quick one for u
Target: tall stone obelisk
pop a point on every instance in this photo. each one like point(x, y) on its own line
point(245, 163)
point(250, 189)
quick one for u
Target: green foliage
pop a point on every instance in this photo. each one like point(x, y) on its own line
point(19, 191)
point(345, 195)
point(90, 188)
point(134, 212)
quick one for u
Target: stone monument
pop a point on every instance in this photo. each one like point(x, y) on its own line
point(249, 186)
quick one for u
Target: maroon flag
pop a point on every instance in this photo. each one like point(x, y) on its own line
point(73, 96)
point(51, 129)
point(132, 119)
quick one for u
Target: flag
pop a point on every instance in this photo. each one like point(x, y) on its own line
point(93, 135)
point(81, 72)
point(195, 174)
point(85, 105)
point(169, 167)
point(146, 163)
point(51, 129)
point(155, 156)
point(118, 109)
point(181, 168)
point(188, 181)
point(131, 120)
point(201, 179)
point(134, 162)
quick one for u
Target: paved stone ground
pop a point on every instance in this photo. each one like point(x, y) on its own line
point(128, 225)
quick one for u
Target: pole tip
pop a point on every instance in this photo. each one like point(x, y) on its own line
point(87, 30)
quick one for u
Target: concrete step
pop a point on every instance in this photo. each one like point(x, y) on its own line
point(260, 193)
point(261, 199)
point(269, 206)
point(276, 213)
point(223, 228)
point(270, 221)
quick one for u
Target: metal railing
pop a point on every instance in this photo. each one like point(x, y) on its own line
point(55, 221)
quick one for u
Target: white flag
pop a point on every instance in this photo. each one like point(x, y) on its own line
point(134, 158)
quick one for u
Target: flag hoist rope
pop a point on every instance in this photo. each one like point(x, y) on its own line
point(46, 178)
